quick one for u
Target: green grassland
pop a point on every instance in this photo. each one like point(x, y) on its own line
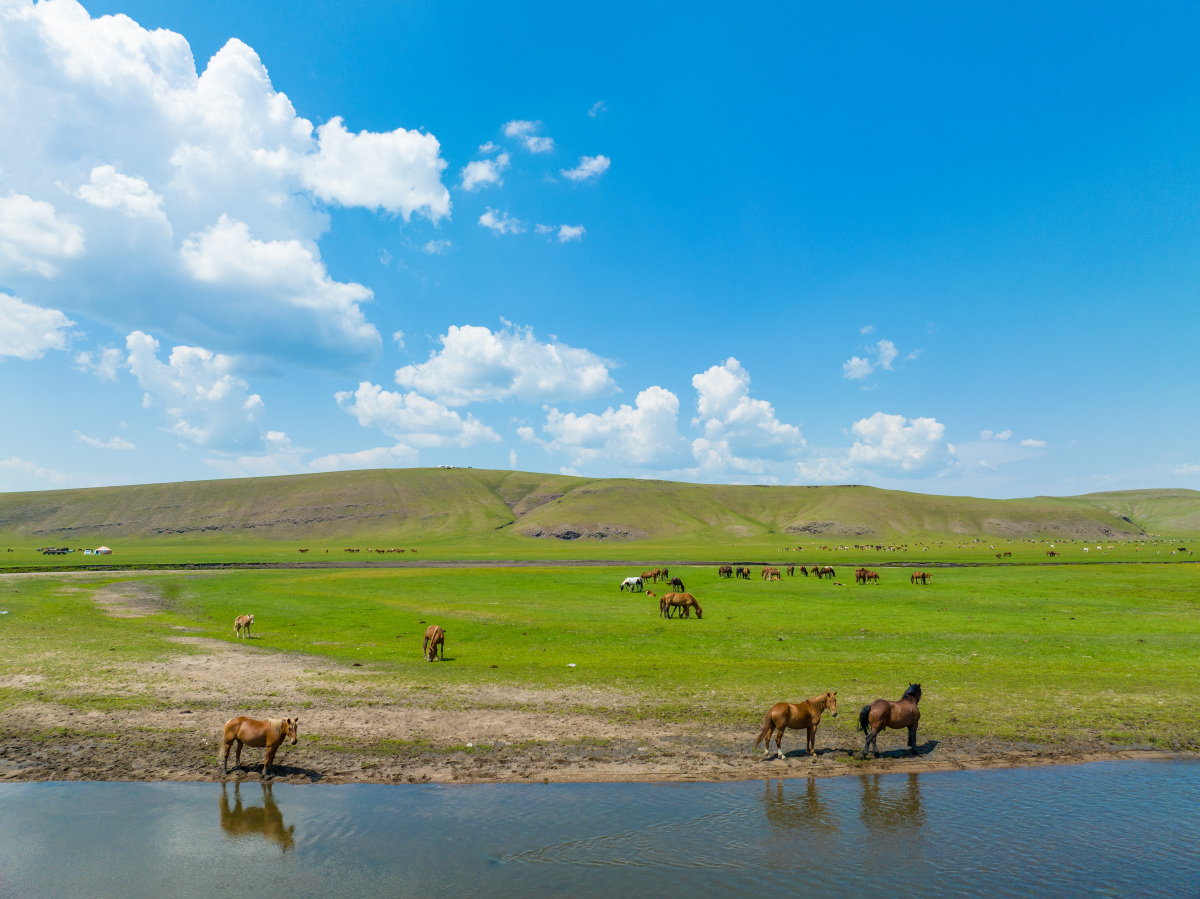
point(449, 514)
point(1049, 654)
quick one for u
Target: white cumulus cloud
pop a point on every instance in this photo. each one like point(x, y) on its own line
point(636, 436)
point(571, 232)
point(21, 474)
point(27, 331)
point(741, 434)
point(894, 442)
point(501, 223)
point(589, 167)
point(202, 398)
point(123, 145)
point(32, 237)
point(413, 419)
point(1033, 444)
point(484, 172)
point(477, 364)
point(527, 133)
point(856, 368)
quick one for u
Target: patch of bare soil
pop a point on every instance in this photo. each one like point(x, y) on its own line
point(128, 599)
point(356, 726)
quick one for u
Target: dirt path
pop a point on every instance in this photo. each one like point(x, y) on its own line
point(359, 726)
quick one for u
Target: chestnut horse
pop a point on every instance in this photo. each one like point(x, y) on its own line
point(725, 571)
point(680, 602)
point(881, 713)
point(269, 732)
point(796, 715)
point(435, 637)
point(242, 623)
point(916, 576)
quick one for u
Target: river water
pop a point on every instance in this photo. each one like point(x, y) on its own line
point(1108, 829)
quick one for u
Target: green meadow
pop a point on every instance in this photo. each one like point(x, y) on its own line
point(1045, 654)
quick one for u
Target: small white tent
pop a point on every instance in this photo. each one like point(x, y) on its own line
point(103, 551)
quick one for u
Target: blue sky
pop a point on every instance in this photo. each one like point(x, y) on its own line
point(951, 250)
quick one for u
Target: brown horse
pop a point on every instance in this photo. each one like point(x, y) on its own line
point(796, 715)
point(435, 637)
point(242, 623)
point(650, 576)
point(872, 576)
point(725, 571)
point(268, 732)
point(804, 571)
point(919, 576)
point(677, 584)
point(860, 575)
point(683, 603)
point(791, 570)
point(881, 713)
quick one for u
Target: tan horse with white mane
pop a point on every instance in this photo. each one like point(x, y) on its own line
point(269, 732)
point(796, 715)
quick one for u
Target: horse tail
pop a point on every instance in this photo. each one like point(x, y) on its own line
point(864, 719)
point(765, 733)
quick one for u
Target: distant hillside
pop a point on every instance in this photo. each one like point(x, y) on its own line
point(455, 504)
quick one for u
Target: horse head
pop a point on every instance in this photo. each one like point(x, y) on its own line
point(831, 703)
point(913, 692)
point(291, 729)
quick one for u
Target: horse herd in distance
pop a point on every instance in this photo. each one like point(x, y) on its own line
point(637, 583)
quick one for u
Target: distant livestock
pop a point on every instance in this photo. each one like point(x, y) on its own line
point(435, 638)
point(725, 571)
point(241, 625)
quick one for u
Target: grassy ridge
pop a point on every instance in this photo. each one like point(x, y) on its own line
point(463, 513)
point(1042, 655)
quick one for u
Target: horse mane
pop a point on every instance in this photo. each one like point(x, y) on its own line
point(913, 692)
point(275, 725)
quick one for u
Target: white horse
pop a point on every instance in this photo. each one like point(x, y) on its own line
point(634, 584)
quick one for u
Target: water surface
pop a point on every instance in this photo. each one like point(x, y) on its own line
point(1120, 828)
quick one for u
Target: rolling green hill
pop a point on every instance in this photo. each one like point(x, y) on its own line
point(491, 512)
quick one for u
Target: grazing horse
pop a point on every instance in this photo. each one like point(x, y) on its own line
point(860, 575)
point(435, 637)
point(1052, 552)
point(919, 576)
point(680, 602)
point(650, 576)
point(665, 573)
point(242, 623)
point(881, 713)
point(827, 571)
point(269, 732)
point(635, 584)
point(804, 571)
point(743, 572)
point(725, 571)
point(796, 715)
point(791, 570)
point(872, 576)
point(676, 584)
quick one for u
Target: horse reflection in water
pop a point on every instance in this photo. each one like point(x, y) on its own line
point(264, 820)
point(889, 806)
point(799, 809)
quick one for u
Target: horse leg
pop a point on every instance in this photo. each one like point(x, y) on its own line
point(270, 759)
point(875, 739)
point(770, 733)
point(237, 753)
point(811, 745)
point(225, 755)
point(912, 738)
point(779, 741)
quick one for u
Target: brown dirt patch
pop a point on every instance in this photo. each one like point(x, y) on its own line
point(357, 725)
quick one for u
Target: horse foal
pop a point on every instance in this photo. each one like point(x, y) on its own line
point(796, 715)
point(242, 623)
